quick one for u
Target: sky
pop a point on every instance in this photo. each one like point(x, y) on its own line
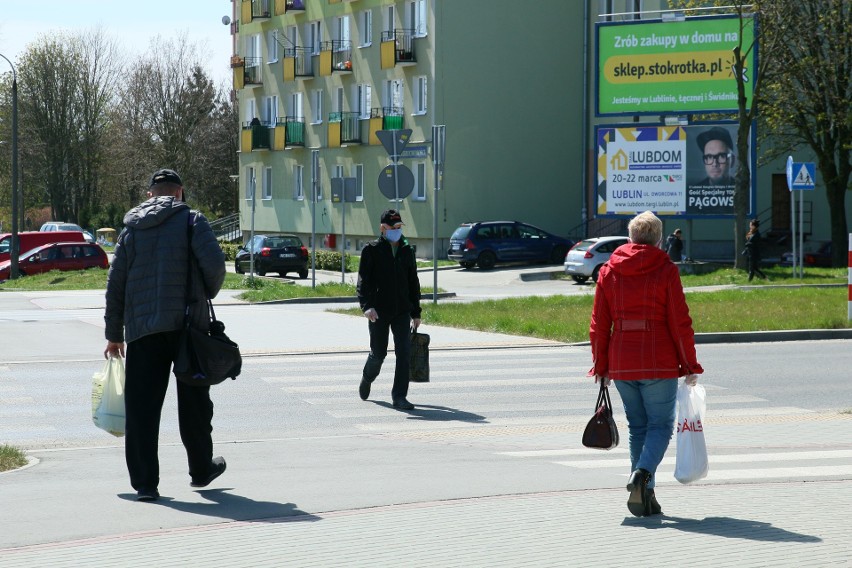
point(132, 24)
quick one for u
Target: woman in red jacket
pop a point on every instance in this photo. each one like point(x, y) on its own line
point(642, 338)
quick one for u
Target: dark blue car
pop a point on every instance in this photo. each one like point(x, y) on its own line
point(486, 243)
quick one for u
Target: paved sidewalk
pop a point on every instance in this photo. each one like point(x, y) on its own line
point(769, 524)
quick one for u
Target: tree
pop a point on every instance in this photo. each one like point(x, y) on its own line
point(808, 98)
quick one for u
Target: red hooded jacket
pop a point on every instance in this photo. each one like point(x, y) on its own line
point(640, 326)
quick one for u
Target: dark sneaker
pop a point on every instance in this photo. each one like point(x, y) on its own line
point(217, 468)
point(402, 404)
point(364, 389)
point(147, 495)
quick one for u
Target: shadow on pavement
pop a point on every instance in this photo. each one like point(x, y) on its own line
point(432, 413)
point(235, 507)
point(727, 527)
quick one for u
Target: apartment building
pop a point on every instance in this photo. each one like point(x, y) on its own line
point(506, 78)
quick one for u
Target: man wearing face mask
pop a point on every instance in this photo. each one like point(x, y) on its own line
point(389, 294)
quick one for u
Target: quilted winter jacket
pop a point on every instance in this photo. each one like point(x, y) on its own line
point(388, 283)
point(146, 287)
point(640, 326)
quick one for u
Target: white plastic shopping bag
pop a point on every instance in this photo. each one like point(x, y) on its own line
point(691, 461)
point(108, 397)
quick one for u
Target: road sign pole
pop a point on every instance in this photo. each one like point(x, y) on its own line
point(395, 159)
point(438, 161)
point(801, 234)
point(343, 241)
point(314, 185)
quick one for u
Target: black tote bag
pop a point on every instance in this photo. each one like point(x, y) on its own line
point(601, 432)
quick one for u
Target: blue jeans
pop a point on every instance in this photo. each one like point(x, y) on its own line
point(650, 408)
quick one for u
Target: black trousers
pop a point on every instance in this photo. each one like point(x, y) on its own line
point(147, 371)
point(379, 335)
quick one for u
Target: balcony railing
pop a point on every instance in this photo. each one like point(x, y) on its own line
point(294, 130)
point(391, 117)
point(253, 71)
point(259, 135)
point(350, 126)
point(302, 62)
point(261, 9)
point(335, 55)
point(398, 47)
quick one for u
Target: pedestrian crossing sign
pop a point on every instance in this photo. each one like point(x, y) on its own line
point(804, 174)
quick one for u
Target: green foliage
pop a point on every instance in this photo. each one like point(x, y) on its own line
point(230, 250)
point(330, 260)
point(11, 458)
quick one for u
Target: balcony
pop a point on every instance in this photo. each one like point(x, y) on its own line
point(248, 71)
point(397, 49)
point(289, 7)
point(298, 63)
point(289, 133)
point(343, 128)
point(254, 137)
point(255, 10)
point(385, 118)
point(335, 56)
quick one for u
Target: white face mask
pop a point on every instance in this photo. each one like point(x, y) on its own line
point(393, 235)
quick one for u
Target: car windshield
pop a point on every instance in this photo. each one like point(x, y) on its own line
point(585, 245)
point(461, 233)
point(281, 242)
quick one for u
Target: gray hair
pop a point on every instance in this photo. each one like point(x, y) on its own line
point(645, 229)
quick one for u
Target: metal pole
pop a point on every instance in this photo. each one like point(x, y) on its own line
point(14, 245)
point(801, 234)
point(251, 237)
point(343, 239)
point(438, 133)
point(314, 185)
point(395, 170)
point(793, 231)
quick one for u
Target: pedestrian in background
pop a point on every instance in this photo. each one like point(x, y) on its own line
point(674, 246)
point(642, 338)
point(146, 299)
point(752, 251)
point(389, 294)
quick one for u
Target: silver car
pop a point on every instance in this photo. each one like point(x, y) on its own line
point(584, 261)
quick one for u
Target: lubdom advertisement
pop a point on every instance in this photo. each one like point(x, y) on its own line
point(670, 170)
point(672, 67)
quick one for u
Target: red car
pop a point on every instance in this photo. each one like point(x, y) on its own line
point(58, 256)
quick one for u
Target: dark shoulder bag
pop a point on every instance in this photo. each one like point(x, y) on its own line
point(204, 358)
point(601, 432)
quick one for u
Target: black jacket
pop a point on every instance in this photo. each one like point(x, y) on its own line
point(388, 283)
point(146, 286)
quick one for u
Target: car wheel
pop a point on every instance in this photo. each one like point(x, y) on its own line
point(283, 274)
point(557, 256)
point(237, 268)
point(580, 279)
point(596, 272)
point(486, 260)
point(261, 272)
point(467, 264)
point(303, 274)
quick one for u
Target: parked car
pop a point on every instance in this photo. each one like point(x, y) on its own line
point(816, 253)
point(62, 226)
point(28, 240)
point(58, 256)
point(484, 244)
point(273, 253)
point(584, 261)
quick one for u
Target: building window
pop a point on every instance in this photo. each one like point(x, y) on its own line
point(296, 109)
point(314, 37)
point(316, 106)
point(363, 95)
point(416, 17)
point(270, 110)
point(359, 182)
point(253, 53)
point(250, 182)
point(420, 95)
point(337, 100)
point(341, 30)
point(251, 110)
point(365, 28)
point(392, 96)
point(390, 18)
point(298, 187)
point(272, 46)
point(420, 181)
point(266, 191)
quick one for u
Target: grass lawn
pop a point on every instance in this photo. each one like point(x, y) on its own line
point(11, 458)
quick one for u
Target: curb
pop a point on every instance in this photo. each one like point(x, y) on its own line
point(338, 299)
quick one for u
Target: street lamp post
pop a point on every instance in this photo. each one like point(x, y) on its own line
point(14, 251)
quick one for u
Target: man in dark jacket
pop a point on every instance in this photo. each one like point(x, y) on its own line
point(674, 246)
point(146, 299)
point(389, 294)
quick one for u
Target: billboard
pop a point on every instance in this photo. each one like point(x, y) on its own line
point(677, 67)
point(672, 170)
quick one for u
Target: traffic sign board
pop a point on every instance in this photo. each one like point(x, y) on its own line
point(394, 141)
point(803, 175)
point(396, 181)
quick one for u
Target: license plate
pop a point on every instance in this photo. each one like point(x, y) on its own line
point(456, 247)
point(287, 255)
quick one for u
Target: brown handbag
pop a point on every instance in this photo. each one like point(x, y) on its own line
point(601, 432)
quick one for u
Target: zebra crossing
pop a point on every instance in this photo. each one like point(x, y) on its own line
point(539, 391)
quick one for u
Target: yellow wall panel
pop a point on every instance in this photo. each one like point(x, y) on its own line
point(325, 64)
point(245, 140)
point(388, 54)
point(289, 69)
point(334, 134)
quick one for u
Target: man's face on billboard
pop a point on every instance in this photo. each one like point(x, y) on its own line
point(718, 160)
